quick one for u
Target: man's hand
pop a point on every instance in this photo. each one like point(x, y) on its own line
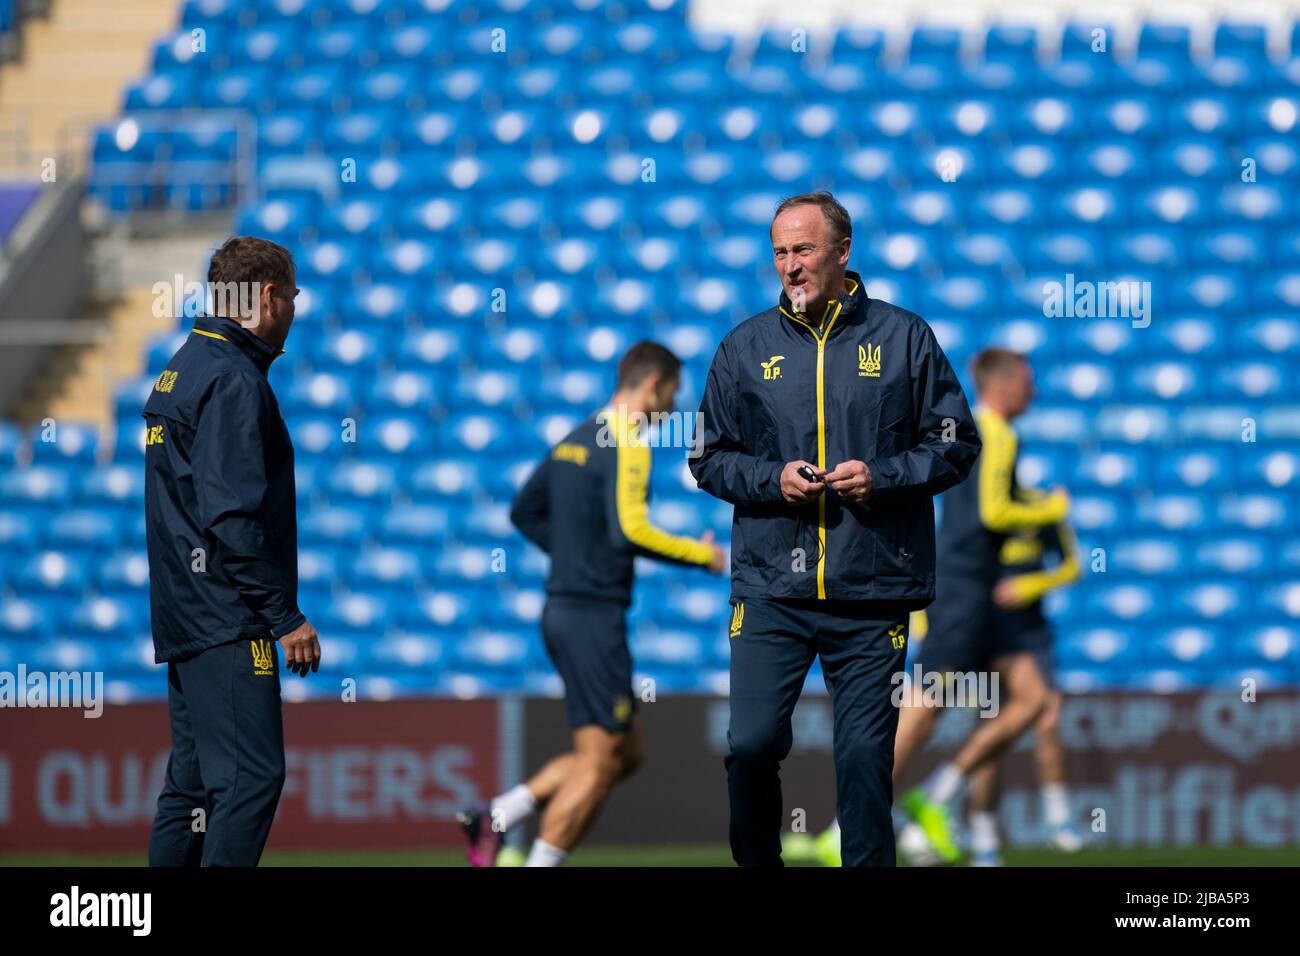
point(794, 488)
point(1007, 597)
point(851, 480)
point(1062, 498)
point(719, 562)
point(301, 649)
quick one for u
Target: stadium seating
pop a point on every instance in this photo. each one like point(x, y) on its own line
point(972, 184)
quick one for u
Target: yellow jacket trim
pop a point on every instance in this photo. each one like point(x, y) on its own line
point(999, 511)
point(632, 484)
point(1031, 586)
point(821, 337)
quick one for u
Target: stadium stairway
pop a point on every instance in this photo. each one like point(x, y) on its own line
point(85, 380)
point(75, 65)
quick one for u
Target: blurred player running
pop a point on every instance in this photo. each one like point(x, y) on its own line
point(1018, 596)
point(979, 516)
point(586, 505)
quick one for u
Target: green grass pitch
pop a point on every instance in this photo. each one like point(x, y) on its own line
point(707, 855)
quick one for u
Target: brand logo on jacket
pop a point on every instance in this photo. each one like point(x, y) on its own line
point(263, 658)
point(737, 618)
point(771, 370)
point(567, 451)
point(868, 361)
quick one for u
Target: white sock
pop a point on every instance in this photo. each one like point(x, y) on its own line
point(1056, 805)
point(984, 832)
point(944, 784)
point(543, 854)
point(512, 807)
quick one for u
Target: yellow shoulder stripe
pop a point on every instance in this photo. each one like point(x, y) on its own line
point(998, 510)
point(211, 335)
point(631, 488)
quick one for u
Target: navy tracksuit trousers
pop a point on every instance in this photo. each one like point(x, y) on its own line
point(773, 643)
point(227, 757)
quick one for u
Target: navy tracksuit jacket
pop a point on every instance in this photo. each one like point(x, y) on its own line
point(221, 529)
point(867, 381)
point(587, 505)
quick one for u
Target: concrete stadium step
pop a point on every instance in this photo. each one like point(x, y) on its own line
point(75, 67)
point(84, 380)
point(90, 375)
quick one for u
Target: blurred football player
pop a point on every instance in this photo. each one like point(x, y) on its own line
point(586, 505)
point(981, 620)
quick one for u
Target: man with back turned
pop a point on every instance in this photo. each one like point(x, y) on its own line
point(221, 527)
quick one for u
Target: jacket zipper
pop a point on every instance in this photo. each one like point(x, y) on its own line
point(821, 440)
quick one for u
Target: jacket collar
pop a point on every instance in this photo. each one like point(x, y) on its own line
point(846, 308)
point(228, 330)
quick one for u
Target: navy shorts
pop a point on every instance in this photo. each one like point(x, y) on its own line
point(1025, 631)
point(968, 632)
point(959, 632)
point(587, 643)
point(1022, 631)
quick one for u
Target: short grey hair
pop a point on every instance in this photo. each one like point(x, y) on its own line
point(835, 214)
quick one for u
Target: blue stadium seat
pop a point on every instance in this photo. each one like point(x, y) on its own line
point(26, 618)
point(103, 617)
point(86, 529)
point(1273, 469)
point(1213, 600)
point(338, 524)
point(62, 654)
point(63, 442)
point(1237, 556)
point(1165, 39)
point(1149, 556)
point(656, 650)
point(409, 651)
point(491, 651)
point(1011, 43)
point(18, 530)
point(1111, 646)
point(35, 485)
point(1112, 467)
point(134, 659)
point(1170, 680)
point(1268, 645)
